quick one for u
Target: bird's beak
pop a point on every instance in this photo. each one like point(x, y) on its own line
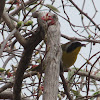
point(83, 45)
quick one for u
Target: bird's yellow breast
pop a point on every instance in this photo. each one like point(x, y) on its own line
point(69, 58)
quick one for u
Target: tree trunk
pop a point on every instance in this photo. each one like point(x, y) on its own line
point(52, 61)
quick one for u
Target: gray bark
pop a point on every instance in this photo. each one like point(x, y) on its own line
point(52, 61)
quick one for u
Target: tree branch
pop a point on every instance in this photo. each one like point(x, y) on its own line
point(65, 86)
point(81, 12)
point(5, 42)
point(9, 85)
point(11, 26)
point(2, 4)
point(21, 7)
point(9, 95)
point(81, 73)
point(52, 60)
point(79, 39)
point(33, 41)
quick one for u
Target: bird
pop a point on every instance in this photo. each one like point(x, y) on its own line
point(70, 52)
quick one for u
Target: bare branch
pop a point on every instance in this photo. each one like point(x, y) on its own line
point(21, 7)
point(5, 42)
point(11, 26)
point(65, 86)
point(9, 95)
point(10, 85)
point(79, 39)
point(2, 4)
point(81, 12)
point(81, 73)
point(33, 41)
